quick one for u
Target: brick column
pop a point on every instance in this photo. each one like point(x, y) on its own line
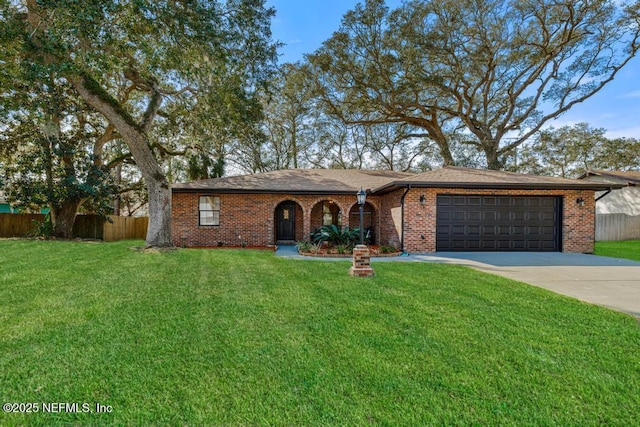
point(361, 262)
point(306, 224)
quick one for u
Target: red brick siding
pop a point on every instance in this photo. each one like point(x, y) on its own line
point(299, 227)
point(248, 218)
point(390, 218)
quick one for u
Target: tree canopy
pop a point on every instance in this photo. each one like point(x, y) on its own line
point(142, 62)
point(497, 70)
point(570, 151)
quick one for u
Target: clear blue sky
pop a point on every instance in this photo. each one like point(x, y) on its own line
point(302, 25)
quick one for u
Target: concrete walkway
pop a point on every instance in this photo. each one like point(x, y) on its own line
point(610, 282)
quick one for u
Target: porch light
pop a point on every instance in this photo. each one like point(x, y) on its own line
point(423, 199)
point(580, 201)
point(362, 197)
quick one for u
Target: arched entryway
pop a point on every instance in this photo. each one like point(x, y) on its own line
point(369, 219)
point(288, 217)
point(325, 212)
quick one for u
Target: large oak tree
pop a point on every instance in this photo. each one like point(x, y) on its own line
point(129, 59)
point(500, 69)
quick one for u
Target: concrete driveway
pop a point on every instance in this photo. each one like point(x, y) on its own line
point(610, 282)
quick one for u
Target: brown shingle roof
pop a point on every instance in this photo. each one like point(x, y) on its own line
point(458, 177)
point(345, 181)
point(628, 177)
point(296, 181)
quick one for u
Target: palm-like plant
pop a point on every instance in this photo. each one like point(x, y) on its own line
point(337, 236)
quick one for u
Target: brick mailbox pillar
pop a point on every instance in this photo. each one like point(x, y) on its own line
point(361, 262)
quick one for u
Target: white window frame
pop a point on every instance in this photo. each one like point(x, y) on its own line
point(210, 207)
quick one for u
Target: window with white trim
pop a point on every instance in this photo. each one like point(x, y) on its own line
point(209, 210)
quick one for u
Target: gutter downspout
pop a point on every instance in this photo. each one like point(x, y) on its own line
point(595, 210)
point(402, 219)
point(605, 193)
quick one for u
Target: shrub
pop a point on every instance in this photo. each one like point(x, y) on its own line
point(343, 249)
point(335, 236)
point(388, 249)
point(42, 228)
point(304, 246)
point(315, 248)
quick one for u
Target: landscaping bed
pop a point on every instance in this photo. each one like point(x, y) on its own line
point(333, 252)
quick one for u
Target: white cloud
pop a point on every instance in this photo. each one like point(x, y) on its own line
point(630, 132)
point(632, 94)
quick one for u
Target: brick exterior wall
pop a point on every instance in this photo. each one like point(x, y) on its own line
point(391, 218)
point(578, 222)
point(250, 218)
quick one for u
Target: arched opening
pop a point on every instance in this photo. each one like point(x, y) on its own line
point(325, 212)
point(288, 222)
point(369, 220)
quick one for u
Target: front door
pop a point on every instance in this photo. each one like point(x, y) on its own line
point(286, 221)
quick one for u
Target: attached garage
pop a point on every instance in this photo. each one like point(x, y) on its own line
point(498, 223)
point(462, 209)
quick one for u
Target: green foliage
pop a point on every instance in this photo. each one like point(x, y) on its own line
point(42, 228)
point(388, 249)
point(492, 71)
point(343, 249)
point(335, 235)
point(240, 337)
point(166, 74)
point(304, 246)
point(50, 160)
point(571, 151)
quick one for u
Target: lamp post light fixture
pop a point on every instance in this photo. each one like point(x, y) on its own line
point(362, 198)
point(361, 257)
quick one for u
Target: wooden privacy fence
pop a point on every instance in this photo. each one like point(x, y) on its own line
point(125, 228)
point(617, 227)
point(18, 225)
point(85, 227)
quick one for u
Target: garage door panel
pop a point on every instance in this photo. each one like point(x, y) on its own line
point(489, 230)
point(497, 223)
point(489, 216)
point(457, 230)
point(503, 230)
point(459, 200)
point(474, 216)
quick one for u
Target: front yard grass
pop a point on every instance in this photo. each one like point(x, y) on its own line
point(239, 337)
point(629, 249)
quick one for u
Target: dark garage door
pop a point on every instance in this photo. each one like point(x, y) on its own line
point(498, 223)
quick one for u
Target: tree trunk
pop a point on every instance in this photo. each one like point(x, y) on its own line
point(159, 230)
point(63, 217)
point(494, 162)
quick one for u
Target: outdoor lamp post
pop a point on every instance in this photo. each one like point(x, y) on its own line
point(362, 197)
point(361, 257)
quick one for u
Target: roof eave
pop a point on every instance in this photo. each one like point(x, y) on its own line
point(626, 181)
point(259, 191)
point(495, 186)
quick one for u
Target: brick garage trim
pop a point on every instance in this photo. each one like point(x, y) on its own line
point(577, 222)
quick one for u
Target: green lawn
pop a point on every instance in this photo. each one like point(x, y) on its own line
point(239, 337)
point(625, 249)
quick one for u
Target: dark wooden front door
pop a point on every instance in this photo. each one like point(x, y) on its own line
point(286, 221)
